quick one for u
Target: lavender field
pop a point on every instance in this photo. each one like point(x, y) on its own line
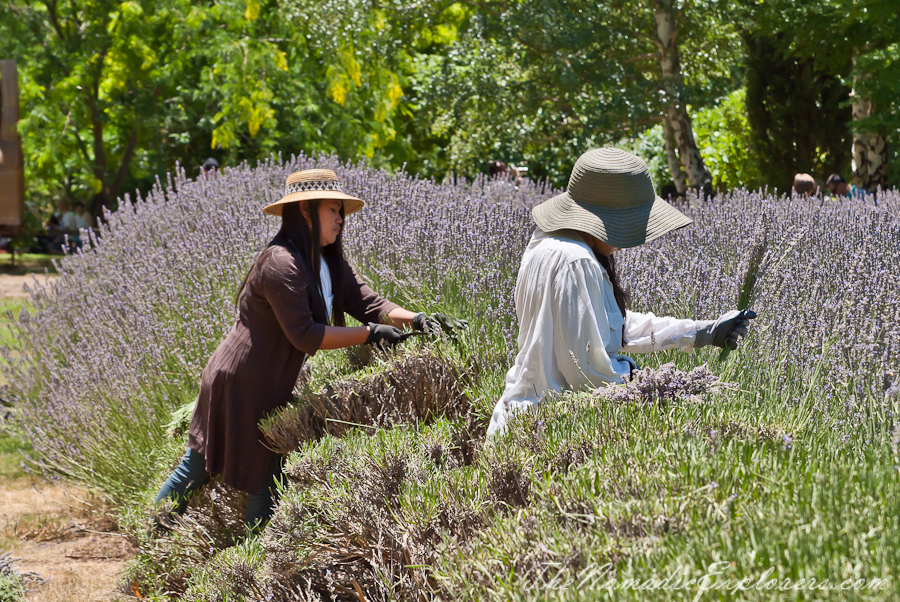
point(778, 463)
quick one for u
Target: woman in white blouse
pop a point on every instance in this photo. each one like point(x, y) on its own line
point(572, 311)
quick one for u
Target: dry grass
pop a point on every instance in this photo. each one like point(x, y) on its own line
point(65, 538)
point(78, 582)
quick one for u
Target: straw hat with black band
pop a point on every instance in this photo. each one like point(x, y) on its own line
point(314, 184)
point(610, 196)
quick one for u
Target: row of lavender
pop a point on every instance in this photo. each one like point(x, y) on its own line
point(120, 339)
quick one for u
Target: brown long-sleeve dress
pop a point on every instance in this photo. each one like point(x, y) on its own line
point(255, 368)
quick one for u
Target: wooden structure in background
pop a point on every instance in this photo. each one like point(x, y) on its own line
point(12, 165)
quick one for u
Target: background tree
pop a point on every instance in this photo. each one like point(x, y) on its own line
point(95, 76)
point(877, 126)
point(369, 54)
point(872, 30)
point(813, 71)
point(797, 111)
point(114, 94)
point(538, 81)
point(679, 134)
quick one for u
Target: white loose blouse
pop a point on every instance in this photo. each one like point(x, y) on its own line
point(570, 327)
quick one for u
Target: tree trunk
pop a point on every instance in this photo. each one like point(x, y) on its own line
point(869, 149)
point(676, 114)
point(674, 164)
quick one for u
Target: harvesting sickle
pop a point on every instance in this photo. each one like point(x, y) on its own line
point(572, 309)
point(291, 304)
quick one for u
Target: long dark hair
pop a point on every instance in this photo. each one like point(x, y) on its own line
point(623, 297)
point(296, 235)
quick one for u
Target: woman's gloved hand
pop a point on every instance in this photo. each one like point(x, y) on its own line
point(384, 335)
point(726, 331)
point(436, 323)
point(631, 362)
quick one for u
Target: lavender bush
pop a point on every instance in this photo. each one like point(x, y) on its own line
point(118, 342)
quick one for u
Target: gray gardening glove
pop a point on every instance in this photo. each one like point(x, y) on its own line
point(726, 331)
point(436, 323)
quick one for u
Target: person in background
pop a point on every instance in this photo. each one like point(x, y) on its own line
point(63, 222)
point(515, 176)
point(209, 167)
point(571, 306)
point(498, 169)
point(52, 223)
point(501, 184)
point(522, 173)
point(68, 223)
point(53, 235)
point(669, 192)
point(72, 226)
point(82, 217)
point(839, 187)
point(804, 184)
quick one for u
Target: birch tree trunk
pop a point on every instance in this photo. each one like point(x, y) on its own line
point(671, 156)
point(675, 114)
point(869, 150)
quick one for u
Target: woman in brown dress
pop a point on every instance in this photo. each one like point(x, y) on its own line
point(291, 304)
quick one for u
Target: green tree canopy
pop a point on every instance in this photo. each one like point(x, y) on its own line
point(539, 81)
point(115, 93)
point(803, 58)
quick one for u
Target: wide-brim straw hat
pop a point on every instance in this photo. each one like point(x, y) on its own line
point(313, 184)
point(610, 196)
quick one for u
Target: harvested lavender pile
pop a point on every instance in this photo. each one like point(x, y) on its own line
point(663, 385)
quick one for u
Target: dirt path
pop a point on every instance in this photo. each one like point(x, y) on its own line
point(56, 530)
point(14, 285)
point(59, 534)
